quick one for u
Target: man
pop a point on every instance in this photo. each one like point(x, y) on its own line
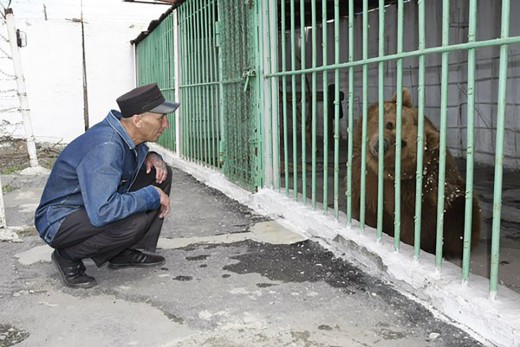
point(107, 195)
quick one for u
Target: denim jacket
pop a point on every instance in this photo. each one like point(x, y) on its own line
point(95, 172)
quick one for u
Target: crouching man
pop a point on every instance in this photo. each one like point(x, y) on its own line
point(107, 195)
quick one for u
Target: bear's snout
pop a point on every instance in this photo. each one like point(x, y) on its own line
point(375, 148)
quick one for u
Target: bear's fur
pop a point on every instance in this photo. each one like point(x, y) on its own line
point(454, 201)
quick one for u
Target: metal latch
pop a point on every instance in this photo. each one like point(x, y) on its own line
point(246, 74)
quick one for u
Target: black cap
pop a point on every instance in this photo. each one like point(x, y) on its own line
point(143, 99)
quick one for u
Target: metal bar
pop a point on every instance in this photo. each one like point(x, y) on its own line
point(442, 130)
point(198, 78)
point(468, 218)
point(204, 75)
point(326, 116)
point(284, 101)
point(336, 110)
point(268, 100)
point(408, 54)
point(364, 119)
point(420, 134)
point(303, 102)
point(293, 101)
point(350, 128)
point(381, 128)
point(398, 126)
point(499, 158)
point(313, 103)
point(275, 95)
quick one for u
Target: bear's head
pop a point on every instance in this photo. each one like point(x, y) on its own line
point(409, 131)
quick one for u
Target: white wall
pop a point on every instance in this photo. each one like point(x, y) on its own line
point(52, 62)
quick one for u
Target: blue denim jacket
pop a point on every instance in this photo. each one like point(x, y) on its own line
point(96, 171)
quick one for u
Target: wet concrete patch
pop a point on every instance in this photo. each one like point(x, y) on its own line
point(198, 257)
point(183, 278)
point(309, 262)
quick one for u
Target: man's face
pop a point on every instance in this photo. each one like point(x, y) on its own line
point(152, 125)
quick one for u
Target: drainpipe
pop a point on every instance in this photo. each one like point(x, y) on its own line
point(85, 89)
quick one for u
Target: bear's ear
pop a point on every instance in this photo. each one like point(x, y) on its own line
point(432, 138)
point(407, 98)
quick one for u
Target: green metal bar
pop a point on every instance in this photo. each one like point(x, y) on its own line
point(365, 121)
point(336, 110)
point(276, 102)
point(210, 108)
point(293, 98)
point(499, 157)
point(219, 64)
point(325, 109)
point(215, 88)
point(420, 134)
point(398, 128)
point(191, 70)
point(408, 54)
point(205, 75)
point(303, 102)
point(269, 95)
point(259, 119)
point(350, 128)
point(442, 130)
point(468, 218)
point(381, 128)
point(314, 102)
point(284, 98)
point(198, 78)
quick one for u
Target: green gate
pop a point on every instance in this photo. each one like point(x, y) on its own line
point(237, 45)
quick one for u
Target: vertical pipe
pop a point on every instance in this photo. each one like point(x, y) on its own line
point(326, 111)
point(336, 109)
point(364, 119)
point(313, 102)
point(303, 102)
point(22, 91)
point(198, 78)
point(350, 127)
point(442, 129)
point(398, 126)
point(204, 80)
point(284, 101)
point(420, 134)
point(189, 68)
point(468, 219)
point(293, 102)
point(223, 158)
point(381, 129)
point(499, 156)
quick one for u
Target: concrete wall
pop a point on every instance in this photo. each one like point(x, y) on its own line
point(52, 62)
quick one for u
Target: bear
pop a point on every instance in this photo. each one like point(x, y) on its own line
point(455, 187)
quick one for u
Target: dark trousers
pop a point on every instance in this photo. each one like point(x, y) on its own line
point(77, 238)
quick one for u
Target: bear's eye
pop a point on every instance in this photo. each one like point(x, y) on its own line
point(389, 125)
point(403, 143)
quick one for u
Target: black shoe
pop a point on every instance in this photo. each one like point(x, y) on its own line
point(135, 258)
point(72, 272)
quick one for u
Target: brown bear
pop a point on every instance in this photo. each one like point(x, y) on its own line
point(454, 201)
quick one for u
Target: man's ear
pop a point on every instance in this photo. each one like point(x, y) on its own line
point(407, 98)
point(136, 120)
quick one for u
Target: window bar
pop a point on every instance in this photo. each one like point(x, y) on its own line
point(350, 109)
point(313, 103)
point(499, 157)
point(364, 120)
point(442, 130)
point(293, 103)
point(284, 101)
point(336, 110)
point(326, 110)
point(303, 102)
point(398, 126)
point(470, 142)
point(420, 134)
point(381, 101)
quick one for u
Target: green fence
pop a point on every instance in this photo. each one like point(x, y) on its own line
point(155, 63)
point(273, 93)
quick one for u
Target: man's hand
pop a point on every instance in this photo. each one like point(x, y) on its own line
point(161, 172)
point(165, 203)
